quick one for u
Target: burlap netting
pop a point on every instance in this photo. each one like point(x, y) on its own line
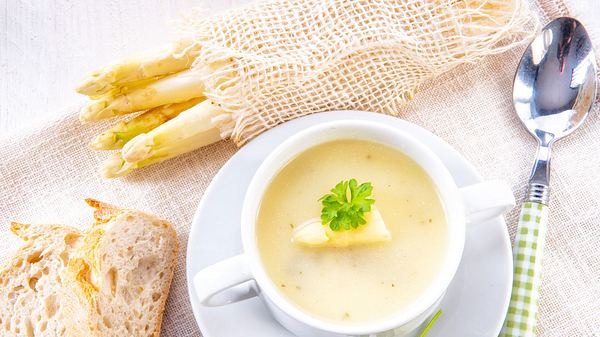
point(278, 60)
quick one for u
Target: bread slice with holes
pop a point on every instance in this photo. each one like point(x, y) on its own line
point(32, 297)
point(124, 270)
point(111, 280)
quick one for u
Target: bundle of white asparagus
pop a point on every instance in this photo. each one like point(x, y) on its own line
point(242, 72)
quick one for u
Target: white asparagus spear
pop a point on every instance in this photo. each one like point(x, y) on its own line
point(175, 88)
point(192, 129)
point(176, 57)
point(115, 137)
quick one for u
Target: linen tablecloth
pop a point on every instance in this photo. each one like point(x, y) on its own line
point(45, 174)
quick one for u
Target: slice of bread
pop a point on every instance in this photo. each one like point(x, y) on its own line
point(31, 285)
point(111, 280)
point(124, 270)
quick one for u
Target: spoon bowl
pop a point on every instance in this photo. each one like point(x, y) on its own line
point(554, 88)
point(556, 81)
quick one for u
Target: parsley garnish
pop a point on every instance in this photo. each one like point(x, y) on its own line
point(343, 210)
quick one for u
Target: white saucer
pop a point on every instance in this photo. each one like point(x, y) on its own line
point(475, 304)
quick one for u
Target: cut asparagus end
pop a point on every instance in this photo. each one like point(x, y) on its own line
point(176, 88)
point(115, 137)
point(177, 57)
point(191, 129)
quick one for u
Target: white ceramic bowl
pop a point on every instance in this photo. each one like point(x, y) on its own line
point(216, 284)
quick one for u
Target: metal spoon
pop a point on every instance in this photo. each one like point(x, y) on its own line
point(554, 88)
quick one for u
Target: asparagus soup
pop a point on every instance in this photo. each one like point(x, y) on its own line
point(352, 231)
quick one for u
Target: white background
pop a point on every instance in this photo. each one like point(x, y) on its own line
point(47, 46)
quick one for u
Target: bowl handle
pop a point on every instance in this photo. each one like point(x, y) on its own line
point(487, 200)
point(225, 282)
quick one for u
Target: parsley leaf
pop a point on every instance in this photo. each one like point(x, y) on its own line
point(344, 208)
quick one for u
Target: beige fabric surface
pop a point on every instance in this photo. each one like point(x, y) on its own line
point(45, 174)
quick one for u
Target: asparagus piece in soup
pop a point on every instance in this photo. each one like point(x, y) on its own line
point(348, 218)
point(313, 233)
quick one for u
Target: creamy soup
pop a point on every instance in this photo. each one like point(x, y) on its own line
point(358, 283)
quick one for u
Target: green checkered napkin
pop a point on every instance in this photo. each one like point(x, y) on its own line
point(527, 255)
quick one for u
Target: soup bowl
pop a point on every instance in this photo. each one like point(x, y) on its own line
point(244, 276)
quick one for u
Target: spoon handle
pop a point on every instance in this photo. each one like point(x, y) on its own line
point(527, 254)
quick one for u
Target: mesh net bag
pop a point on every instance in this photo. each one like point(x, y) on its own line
point(277, 60)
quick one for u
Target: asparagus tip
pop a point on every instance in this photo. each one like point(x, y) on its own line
point(105, 141)
point(138, 148)
point(115, 167)
point(96, 110)
point(91, 86)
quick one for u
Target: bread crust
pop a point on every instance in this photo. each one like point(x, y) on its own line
point(122, 249)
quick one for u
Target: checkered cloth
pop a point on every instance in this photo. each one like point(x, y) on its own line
point(527, 255)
